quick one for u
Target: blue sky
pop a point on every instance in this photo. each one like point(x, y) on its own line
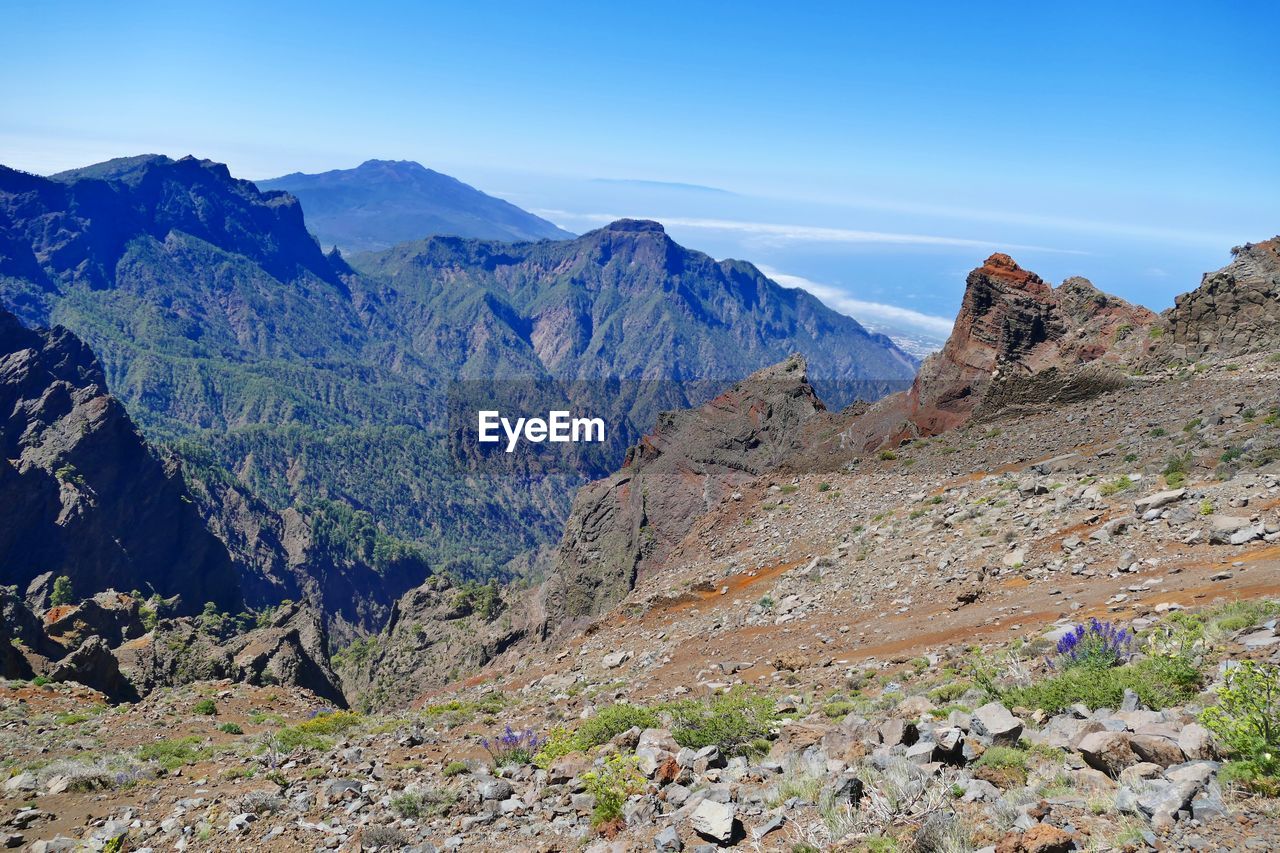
point(875, 153)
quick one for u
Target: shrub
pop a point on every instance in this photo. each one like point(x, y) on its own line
point(1231, 454)
point(1003, 764)
point(887, 455)
point(1176, 470)
point(1246, 719)
point(206, 707)
point(294, 737)
point(611, 721)
point(384, 838)
point(1160, 682)
point(1116, 486)
point(610, 785)
point(1098, 645)
point(735, 722)
point(231, 729)
point(949, 691)
point(824, 487)
point(260, 802)
point(1260, 778)
point(839, 709)
point(330, 722)
point(512, 747)
point(172, 754)
point(424, 803)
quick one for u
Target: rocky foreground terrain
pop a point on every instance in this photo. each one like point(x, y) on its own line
point(1030, 605)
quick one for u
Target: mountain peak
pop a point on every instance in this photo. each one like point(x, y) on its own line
point(635, 226)
point(394, 166)
point(1005, 268)
point(381, 203)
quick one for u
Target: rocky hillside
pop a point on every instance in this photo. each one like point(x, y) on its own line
point(624, 525)
point(876, 658)
point(86, 498)
point(384, 202)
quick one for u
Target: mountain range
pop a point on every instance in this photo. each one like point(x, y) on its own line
point(384, 202)
point(315, 380)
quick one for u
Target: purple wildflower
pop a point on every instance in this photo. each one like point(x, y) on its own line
point(1097, 644)
point(513, 747)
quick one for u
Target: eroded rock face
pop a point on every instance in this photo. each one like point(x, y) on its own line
point(84, 495)
point(437, 632)
point(624, 524)
point(1017, 341)
point(291, 649)
point(1234, 311)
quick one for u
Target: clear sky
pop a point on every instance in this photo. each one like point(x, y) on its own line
point(875, 152)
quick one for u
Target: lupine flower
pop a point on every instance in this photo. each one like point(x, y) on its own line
point(1097, 644)
point(513, 747)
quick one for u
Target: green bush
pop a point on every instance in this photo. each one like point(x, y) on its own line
point(454, 768)
point(332, 723)
point(430, 803)
point(231, 729)
point(1116, 486)
point(611, 721)
point(1006, 762)
point(1160, 682)
point(736, 722)
point(1246, 719)
point(172, 754)
point(1258, 777)
point(293, 737)
point(206, 707)
point(949, 691)
point(610, 785)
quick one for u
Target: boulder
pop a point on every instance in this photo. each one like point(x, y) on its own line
point(1040, 838)
point(1156, 749)
point(1108, 751)
point(714, 821)
point(1158, 500)
point(993, 722)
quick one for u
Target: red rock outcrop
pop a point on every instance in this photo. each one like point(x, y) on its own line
point(1016, 338)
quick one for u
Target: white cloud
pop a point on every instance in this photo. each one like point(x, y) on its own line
point(781, 233)
point(868, 313)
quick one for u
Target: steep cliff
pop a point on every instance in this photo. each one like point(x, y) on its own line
point(1235, 310)
point(85, 497)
